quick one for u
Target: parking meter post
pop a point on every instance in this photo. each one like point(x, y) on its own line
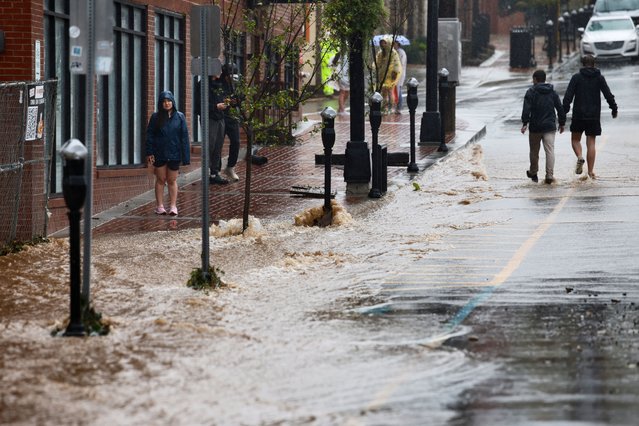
point(444, 87)
point(412, 101)
point(573, 22)
point(566, 17)
point(550, 41)
point(74, 188)
point(375, 102)
point(562, 32)
point(328, 140)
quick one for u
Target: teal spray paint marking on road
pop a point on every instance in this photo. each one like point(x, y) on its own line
point(469, 307)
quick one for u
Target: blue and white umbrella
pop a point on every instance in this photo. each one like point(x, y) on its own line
point(389, 37)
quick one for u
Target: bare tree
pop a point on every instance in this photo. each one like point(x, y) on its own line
point(269, 88)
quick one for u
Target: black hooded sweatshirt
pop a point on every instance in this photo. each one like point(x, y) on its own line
point(585, 87)
point(540, 103)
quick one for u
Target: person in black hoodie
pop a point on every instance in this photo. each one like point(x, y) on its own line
point(231, 124)
point(585, 87)
point(538, 116)
point(167, 146)
point(217, 105)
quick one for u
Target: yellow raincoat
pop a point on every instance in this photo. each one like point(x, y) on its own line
point(391, 70)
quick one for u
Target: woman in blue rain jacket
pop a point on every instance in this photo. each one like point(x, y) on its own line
point(167, 146)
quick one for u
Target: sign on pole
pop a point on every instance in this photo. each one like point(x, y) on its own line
point(210, 30)
point(205, 44)
point(100, 42)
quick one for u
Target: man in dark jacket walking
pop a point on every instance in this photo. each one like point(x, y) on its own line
point(538, 116)
point(585, 87)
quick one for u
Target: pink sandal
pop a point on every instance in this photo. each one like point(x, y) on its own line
point(160, 210)
point(173, 211)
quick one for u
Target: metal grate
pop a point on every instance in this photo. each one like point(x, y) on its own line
point(609, 45)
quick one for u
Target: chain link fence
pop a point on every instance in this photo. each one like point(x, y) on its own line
point(27, 131)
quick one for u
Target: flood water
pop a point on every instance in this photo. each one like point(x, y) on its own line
point(284, 341)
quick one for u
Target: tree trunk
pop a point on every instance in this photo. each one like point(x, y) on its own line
point(247, 182)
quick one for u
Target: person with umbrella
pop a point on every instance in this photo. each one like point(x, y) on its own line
point(402, 77)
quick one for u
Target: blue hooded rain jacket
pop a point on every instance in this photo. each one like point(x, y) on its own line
point(171, 141)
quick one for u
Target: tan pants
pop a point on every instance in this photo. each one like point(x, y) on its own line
point(535, 140)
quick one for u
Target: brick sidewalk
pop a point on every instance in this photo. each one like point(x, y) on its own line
point(289, 166)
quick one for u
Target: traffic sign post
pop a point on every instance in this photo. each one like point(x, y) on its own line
point(205, 48)
point(90, 53)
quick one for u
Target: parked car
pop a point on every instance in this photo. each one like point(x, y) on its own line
point(610, 37)
point(617, 7)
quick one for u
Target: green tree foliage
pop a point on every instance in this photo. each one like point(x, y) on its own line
point(347, 18)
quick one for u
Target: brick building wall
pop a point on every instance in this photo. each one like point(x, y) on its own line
point(23, 24)
point(16, 20)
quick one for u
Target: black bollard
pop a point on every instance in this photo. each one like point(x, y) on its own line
point(328, 140)
point(444, 87)
point(74, 188)
point(412, 100)
point(376, 120)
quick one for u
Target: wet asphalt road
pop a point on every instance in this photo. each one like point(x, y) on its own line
point(542, 279)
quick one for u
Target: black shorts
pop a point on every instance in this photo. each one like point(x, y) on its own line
point(172, 164)
point(591, 127)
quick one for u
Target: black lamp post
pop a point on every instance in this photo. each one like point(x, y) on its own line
point(376, 120)
point(412, 100)
point(550, 42)
point(431, 120)
point(444, 87)
point(328, 140)
point(74, 189)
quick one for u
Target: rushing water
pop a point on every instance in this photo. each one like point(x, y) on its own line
point(283, 340)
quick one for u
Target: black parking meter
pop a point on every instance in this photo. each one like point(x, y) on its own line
point(328, 140)
point(444, 88)
point(375, 102)
point(562, 34)
point(550, 41)
point(412, 101)
point(74, 189)
point(573, 22)
point(566, 17)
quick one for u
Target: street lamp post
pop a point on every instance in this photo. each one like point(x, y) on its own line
point(376, 120)
point(431, 120)
point(74, 189)
point(412, 100)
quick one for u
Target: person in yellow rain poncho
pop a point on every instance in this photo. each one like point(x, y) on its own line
point(389, 70)
point(328, 52)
